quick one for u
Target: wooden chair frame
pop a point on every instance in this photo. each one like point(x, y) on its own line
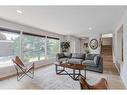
point(22, 70)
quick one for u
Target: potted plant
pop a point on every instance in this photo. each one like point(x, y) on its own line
point(87, 51)
point(86, 48)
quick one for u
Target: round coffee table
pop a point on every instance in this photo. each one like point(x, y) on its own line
point(74, 75)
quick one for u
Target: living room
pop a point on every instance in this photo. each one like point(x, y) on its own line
point(36, 37)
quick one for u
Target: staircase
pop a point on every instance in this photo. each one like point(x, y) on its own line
point(106, 52)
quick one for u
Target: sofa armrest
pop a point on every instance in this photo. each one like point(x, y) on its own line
point(97, 59)
point(101, 64)
point(57, 56)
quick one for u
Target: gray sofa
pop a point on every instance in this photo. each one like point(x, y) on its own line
point(93, 62)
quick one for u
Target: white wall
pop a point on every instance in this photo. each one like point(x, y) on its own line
point(77, 45)
point(74, 44)
point(118, 53)
point(82, 44)
point(123, 22)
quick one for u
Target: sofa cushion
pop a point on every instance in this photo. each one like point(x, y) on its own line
point(78, 55)
point(63, 59)
point(67, 55)
point(90, 56)
point(75, 61)
point(96, 59)
point(89, 63)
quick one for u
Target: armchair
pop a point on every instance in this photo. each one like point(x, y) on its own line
point(22, 70)
point(102, 84)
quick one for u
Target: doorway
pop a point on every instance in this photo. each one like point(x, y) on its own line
point(106, 53)
point(119, 48)
point(106, 46)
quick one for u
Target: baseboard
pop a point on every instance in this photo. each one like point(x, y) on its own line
point(117, 68)
point(12, 74)
point(124, 81)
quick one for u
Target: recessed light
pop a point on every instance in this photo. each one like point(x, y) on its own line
point(90, 28)
point(19, 11)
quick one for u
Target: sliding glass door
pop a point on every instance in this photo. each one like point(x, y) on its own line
point(53, 47)
point(9, 47)
point(33, 48)
point(29, 47)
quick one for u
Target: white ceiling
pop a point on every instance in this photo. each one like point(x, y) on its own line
point(66, 20)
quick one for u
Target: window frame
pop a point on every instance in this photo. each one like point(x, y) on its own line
point(54, 38)
point(15, 32)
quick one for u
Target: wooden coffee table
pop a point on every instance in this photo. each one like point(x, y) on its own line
point(74, 75)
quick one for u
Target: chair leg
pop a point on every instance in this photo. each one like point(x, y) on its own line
point(20, 76)
point(33, 74)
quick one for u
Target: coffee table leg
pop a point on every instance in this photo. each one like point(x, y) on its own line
point(56, 68)
point(79, 72)
point(85, 73)
point(63, 68)
point(74, 73)
point(77, 78)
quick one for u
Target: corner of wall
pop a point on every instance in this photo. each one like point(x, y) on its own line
point(124, 81)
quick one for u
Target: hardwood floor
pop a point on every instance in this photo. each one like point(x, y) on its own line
point(108, 64)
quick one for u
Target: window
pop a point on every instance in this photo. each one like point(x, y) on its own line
point(33, 48)
point(9, 47)
point(53, 46)
point(30, 47)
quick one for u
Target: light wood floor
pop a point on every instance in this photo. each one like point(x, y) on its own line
point(45, 78)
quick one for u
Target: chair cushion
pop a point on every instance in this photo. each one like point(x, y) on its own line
point(75, 61)
point(18, 61)
point(90, 56)
point(89, 63)
point(78, 55)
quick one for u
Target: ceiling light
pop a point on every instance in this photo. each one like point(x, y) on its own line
point(19, 11)
point(90, 28)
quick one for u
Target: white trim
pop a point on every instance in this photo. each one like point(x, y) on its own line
point(117, 67)
point(6, 41)
point(46, 47)
point(59, 45)
point(21, 48)
point(124, 81)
